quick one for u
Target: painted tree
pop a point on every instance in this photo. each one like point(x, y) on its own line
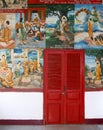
point(58, 10)
point(97, 53)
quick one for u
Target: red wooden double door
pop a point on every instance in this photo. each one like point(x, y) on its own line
point(63, 86)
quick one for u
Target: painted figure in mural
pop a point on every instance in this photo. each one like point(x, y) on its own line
point(98, 69)
point(90, 28)
point(35, 65)
point(4, 62)
point(90, 77)
point(63, 23)
point(6, 32)
point(31, 66)
point(36, 20)
point(23, 31)
point(38, 35)
point(26, 67)
point(8, 81)
point(94, 14)
point(17, 26)
point(7, 77)
point(17, 69)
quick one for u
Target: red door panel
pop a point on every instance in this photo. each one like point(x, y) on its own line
point(54, 110)
point(73, 111)
point(53, 73)
point(74, 81)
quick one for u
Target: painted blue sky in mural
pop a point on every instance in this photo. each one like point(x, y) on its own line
point(90, 61)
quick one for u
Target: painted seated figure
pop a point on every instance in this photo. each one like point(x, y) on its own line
point(6, 37)
point(4, 63)
point(8, 81)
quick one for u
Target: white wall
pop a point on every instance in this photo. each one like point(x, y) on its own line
point(29, 105)
point(19, 105)
point(94, 104)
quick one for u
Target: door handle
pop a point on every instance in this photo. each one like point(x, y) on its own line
point(63, 93)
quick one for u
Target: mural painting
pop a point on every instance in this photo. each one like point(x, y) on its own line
point(28, 68)
point(88, 26)
point(59, 26)
point(21, 68)
point(30, 28)
point(94, 69)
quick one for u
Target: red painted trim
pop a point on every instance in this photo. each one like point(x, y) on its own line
point(21, 122)
point(41, 122)
point(37, 8)
point(93, 89)
point(21, 90)
point(94, 121)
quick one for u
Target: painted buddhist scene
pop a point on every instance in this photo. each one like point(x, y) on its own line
point(7, 30)
point(6, 71)
point(88, 26)
point(28, 68)
point(13, 4)
point(59, 26)
point(30, 28)
point(94, 69)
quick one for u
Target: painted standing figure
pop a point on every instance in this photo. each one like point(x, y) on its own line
point(23, 31)
point(90, 28)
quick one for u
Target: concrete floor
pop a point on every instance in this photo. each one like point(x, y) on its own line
point(51, 127)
